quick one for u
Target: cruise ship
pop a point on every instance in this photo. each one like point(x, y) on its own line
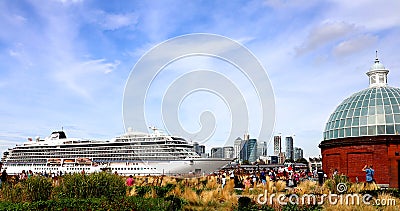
point(133, 153)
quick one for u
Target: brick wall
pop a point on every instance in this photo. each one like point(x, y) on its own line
point(350, 160)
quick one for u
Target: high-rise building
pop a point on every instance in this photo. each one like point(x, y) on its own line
point(202, 150)
point(277, 145)
point(252, 150)
point(245, 150)
point(228, 152)
point(199, 149)
point(298, 153)
point(237, 148)
point(196, 147)
point(289, 148)
point(262, 149)
point(217, 152)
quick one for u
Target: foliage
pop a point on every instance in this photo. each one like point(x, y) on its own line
point(302, 160)
point(38, 188)
point(118, 203)
point(30, 190)
point(143, 190)
point(289, 161)
point(90, 186)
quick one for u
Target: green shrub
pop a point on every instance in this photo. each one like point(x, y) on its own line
point(91, 186)
point(142, 190)
point(12, 193)
point(162, 191)
point(37, 188)
point(33, 189)
point(118, 203)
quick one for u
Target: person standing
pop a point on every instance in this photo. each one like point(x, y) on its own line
point(223, 181)
point(369, 173)
point(3, 177)
point(320, 174)
point(130, 181)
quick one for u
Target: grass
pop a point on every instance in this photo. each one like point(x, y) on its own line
point(202, 193)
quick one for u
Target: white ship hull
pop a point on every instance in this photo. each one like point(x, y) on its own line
point(181, 167)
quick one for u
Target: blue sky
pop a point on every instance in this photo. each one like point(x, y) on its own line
point(65, 63)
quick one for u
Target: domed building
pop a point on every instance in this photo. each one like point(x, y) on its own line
point(364, 129)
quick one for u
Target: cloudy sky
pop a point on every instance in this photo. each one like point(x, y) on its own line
point(65, 63)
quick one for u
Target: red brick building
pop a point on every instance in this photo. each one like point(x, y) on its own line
point(363, 130)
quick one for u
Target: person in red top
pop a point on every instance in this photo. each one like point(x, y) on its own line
point(130, 181)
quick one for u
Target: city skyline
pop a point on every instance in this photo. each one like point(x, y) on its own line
point(64, 63)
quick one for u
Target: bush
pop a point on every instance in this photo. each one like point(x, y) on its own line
point(38, 188)
point(33, 189)
point(91, 186)
point(119, 203)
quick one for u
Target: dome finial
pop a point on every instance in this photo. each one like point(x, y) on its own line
point(376, 57)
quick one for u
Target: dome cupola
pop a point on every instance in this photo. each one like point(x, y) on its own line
point(377, 74)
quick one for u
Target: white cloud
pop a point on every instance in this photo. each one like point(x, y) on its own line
point(279, 4)
point(81, 76)
point(354, 45)
point(324, 34)
point(109, 21)
point(370, 14)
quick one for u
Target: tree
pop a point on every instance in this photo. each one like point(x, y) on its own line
point(302, 160)
point(289, 160)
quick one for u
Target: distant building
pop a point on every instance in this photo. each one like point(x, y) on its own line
point(277, 145)
point(228, 152)
point(252, 150)
point(274, 159)
point(245, 149)
point(289, 148)
point(281, 158)
point(202, 149)
point(217, 152)
point(298, 153)
point(199, 149)
point(237, 148)
point(314, 163)
point(262, 149)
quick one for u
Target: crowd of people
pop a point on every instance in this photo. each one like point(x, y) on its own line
point(246, 179)
point(241, 177)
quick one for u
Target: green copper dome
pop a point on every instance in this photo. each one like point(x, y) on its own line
point(370, 112)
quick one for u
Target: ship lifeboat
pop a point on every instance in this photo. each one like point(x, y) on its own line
point(69, 161)
point(53, 161)
point(84, 161)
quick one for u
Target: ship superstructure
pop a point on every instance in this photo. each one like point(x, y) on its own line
point(131, 153)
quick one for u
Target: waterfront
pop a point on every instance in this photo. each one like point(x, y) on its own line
point(109, 191)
